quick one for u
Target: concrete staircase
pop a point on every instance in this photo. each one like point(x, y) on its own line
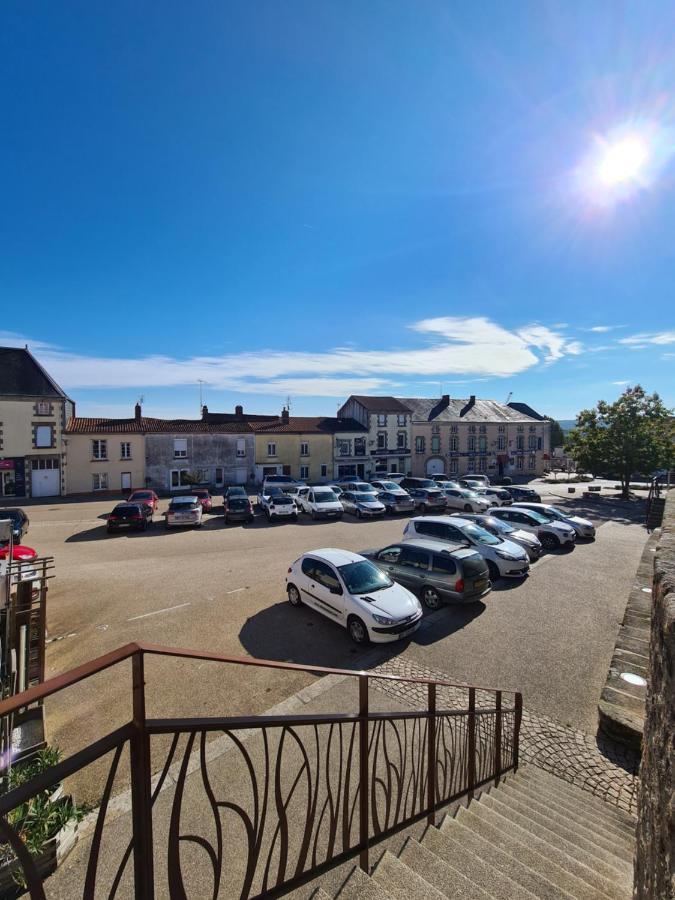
point(533, 836)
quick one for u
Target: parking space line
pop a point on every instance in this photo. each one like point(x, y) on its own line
point(235, 591)
point(156, 612)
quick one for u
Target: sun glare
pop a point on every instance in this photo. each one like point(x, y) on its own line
point(624, 161)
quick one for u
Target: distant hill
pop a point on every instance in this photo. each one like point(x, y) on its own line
point(567, 424)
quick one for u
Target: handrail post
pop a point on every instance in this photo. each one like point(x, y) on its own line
point(364, 800)
point(471, 751)
point(431, 755)
point(516, 730)
point(141, 798)
point(498, 735)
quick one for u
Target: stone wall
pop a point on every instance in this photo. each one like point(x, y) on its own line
point(655, 852)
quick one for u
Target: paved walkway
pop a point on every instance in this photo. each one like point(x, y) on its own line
point(594, 763)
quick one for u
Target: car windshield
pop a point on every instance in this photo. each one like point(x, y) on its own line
point(366, 497)
point(129, 510)
point(281, 499)
point(363, 577)
point(554, 513)
point(466, 493)
point(362, 488)
point(142, 495)
point(497, 525)
point(183, 504)
point(426, 483)
point(389, 486)
point(479, 534)
point(201, 493)
point(238, 503)
point(274, 491)
point(324, 497)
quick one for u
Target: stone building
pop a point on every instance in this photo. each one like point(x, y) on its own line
point(33, 413)
point(465, 436)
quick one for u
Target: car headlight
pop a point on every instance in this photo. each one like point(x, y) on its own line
point(503, 554)
point(382, 620)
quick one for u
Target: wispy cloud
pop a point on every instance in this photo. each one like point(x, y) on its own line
point(601, 329)
point(650, 337)
point(456, 346)
point(620, 383)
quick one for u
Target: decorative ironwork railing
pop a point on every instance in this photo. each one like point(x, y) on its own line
point(252, 806)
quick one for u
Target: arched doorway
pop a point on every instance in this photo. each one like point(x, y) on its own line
point(435, 466)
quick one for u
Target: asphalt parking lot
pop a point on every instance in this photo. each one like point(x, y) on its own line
point(221, 588)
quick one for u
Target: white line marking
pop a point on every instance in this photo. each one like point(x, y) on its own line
point(235, 591)
point(156, 612)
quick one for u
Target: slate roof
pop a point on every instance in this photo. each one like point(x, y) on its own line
point(235, 417)
point(382, 404)
point(434, 410)
point(21, 375)
point(308, 425)
point(147, 425)
point(527, 410)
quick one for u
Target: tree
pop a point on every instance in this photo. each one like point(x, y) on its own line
point(557, 434)
point(634, 434)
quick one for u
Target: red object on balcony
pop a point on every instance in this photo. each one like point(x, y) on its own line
point(19, 553)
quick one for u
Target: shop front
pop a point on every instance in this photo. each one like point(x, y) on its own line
point(12, 477)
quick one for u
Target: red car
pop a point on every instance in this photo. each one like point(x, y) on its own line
point(204, 497)
point(150, 498)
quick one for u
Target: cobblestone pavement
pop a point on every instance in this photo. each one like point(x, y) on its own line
point(604, 768)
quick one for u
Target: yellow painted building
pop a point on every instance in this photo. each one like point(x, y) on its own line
point(33, 414)
point(299, 446)
point(104, 455)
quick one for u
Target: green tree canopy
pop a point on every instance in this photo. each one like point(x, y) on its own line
point(557, 434)
point(634, 434)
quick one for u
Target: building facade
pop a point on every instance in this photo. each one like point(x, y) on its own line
point(387, 424)
point(299, 446)
point(464, 437)
point(33, 414)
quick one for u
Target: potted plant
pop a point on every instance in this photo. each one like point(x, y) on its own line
point(46, 823)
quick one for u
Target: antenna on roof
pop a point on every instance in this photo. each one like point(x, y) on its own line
point(509, 397)
point(288, 402)
point(140, 400)
point(201, 382)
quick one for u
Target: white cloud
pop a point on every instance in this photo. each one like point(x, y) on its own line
point(646, 338)
point(601, 329)
point(472, 346)
point(621, 383)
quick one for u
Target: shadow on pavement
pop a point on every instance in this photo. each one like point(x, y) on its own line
point(304, 636)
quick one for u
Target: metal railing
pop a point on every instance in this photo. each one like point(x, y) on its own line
point(274, 801)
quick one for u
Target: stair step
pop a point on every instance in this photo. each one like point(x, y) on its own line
point(585, 799)
point(440, 874)
point(543, 857)
point(607, 858)
point(575, 812)
point(493, 881)
point(359, 886)
point(401, 883)
point(500, 857)
point(595, 870)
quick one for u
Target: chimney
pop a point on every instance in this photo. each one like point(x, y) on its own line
point(469, 405)
point(239, 412)
point(137, 412)
point(445, 399)
point(284, 416)
point(205, 411)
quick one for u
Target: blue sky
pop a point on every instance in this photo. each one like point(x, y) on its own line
point(319, 198)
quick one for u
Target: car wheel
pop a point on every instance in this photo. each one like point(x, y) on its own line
point(314, 514)
point(493, 570)
point(293, 595)
point(110, 530)
point(467, 507)
point(549, 541)
point(357, 630)
point(430, 598)
point(359, 514)
point(227, 521)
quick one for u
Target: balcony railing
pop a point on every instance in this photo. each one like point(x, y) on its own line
point(282, 800)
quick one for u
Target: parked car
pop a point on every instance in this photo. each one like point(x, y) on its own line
point(528, 495)
point(503, 558)
point(278, 481)
point(320, 503)
point(19, 520)
point(336, 489)
point(129, 517)
point(385, 484)
point(409, 482)
point(583, 527)
point(496, 496)
point(238, 508)
point(235, 490)
point(204, 497)
point(362, 503)
point(277, 505)
point(529, 542)
point(474, 479)
point(468, 501)
point(144, 496)
point(435, 572)
point(350, 590)
point(428, 499)
point(396, 502)
point(551, 534)
point(184, 511)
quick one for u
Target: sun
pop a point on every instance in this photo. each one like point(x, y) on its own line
point(623, 161)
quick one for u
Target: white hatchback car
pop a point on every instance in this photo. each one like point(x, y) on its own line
point(503, 557)
point(467, 501)
point(350, 590)
point(551, 534)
